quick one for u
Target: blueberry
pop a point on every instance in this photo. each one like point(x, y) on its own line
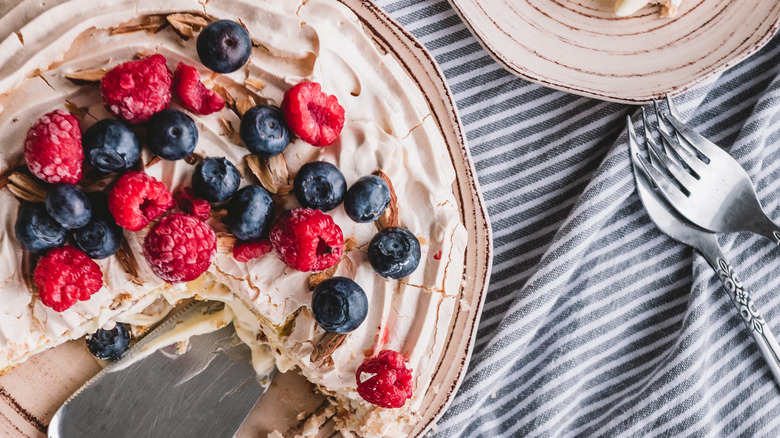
point(339, 305)
point(215, 179)
point(110, 146)
point(367, 199)
point(319, 185)
point(109, 344)
point(69, 206)
point(224, 46)
point(101, 237)
point(171, 134)
point(36, 230)
point(394, 252)
point(264, 131)
point(249, 213)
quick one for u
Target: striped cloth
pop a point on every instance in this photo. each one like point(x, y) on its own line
point(597, 324)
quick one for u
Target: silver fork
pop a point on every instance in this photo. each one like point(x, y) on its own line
point(679, 229)
point(703, 182)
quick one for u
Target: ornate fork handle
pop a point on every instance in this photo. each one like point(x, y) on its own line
point(750, 315)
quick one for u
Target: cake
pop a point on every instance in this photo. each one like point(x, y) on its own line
point(387, 131)
point(624, 8)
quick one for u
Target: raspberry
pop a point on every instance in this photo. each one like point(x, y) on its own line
point(391, 383)
point(53, 150)
point(193, 94)
point(246, 251)
point(137, 89)
point(191, 204)
point(138, 199)
point(66, 275)
point(307, 240)
point(312, 115)
point(180, 248)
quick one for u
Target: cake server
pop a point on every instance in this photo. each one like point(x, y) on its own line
point(151, 391)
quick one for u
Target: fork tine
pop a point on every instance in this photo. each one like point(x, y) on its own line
point(677, 171)
point(697, 141)
point(672, 107)
point(683, 155)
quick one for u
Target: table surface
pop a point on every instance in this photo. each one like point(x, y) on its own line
point(596, 324)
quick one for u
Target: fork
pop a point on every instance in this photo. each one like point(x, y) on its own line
point(701, 181)
point(679, 229)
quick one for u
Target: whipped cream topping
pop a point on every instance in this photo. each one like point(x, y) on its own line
point(388, 127)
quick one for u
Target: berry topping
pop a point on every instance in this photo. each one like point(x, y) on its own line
point(264, 131)
point(137, 89)
point(246, 251)
point(367, 199)
point(69, 206)
point(36, 230)
point(339, 305)
point(66, 275)
point(224, 46)
point(191, 204)
point(110, 146)
point(307, 240)
point(138, 199)
point(391, 383)
point(52, 148)
point(215, 179)
point(312, 115)
point(319, 185)
point(193, 94)
point(101, 237)
point(394, 252)
point(180, 248)
point(250, 212)
point(171, 134)
point(109, 344)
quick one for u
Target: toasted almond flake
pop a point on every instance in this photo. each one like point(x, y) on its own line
point(5, 176)
point(193, 159)
point(186, 24)
point(230, 131)
point(225, 94)
point(76, 111)
point(225, 243)
point(317, 278)
point(390, 217)
point(149, 23)
point(82, 77)
point(272, 172)
point(144, 53)
point(26, 187)
point(152, 161)
point(127, 259)
point(326, 346)
point(350, 244)
point(244, 104)
point(255, 83)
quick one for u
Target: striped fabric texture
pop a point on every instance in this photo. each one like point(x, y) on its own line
point(596, 323)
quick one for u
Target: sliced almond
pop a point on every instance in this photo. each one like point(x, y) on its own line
point(5, 176)
point(318, 277)
point(225, 94)
point(225, 243)
point(75, 110)
point(127, 259)
point(272, 172)
point(326, 346)
point(244, 104)
point(149, 23)
point(390, 217)
point(82, 77)
point(255, 83)
point(152, 161)
point(230, 131)
point(26, 187)
point(186, 24)
point(193, 159)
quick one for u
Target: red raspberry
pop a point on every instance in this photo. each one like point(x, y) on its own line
point(180, 248)
point(53, 150)
point(136, 90)
point(307, 240)
point(193, 94)
point(191, 204)
point(391, 383)
point(138, 199)
point(312, 115)
point(246, 251)
point(66, 275)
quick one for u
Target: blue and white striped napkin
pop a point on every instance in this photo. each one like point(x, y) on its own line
point(596, 323)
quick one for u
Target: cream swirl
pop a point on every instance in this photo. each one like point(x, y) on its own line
point(388, 127)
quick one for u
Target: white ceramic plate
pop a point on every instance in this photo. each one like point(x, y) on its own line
point(31, 393)
point(580, 46)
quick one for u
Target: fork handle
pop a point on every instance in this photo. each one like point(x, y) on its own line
point(765, 226)
point(749, 312)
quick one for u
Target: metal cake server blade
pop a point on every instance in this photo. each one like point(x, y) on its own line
point(207, 391)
